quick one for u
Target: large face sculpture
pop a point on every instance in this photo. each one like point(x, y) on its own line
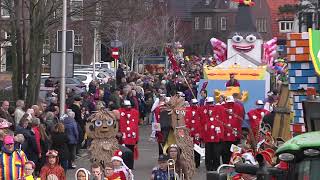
point(102, 124)
point(247, 43)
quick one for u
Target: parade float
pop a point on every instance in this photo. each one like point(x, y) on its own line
point(242, 56)
point(297, 158)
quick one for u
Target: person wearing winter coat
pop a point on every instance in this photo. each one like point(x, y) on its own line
point(29, 145)
point(52, 169)
point(71, 130)
point(60, 144)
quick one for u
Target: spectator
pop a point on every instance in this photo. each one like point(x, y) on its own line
point(52, 169)
point(48, 82)
point(4, 113)
point(82, 174)
point(29, 145)
point(106, 95)
point(60, 144)
point(111, 175)
point(96, 172)
point(28, 171)
point(71, 129)
point(9, 172)
point(35, 129)
point(120, 74)
point(115, 100)
point(19, 112)
point(50, 121)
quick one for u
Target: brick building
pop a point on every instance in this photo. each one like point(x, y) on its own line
point(281, 23)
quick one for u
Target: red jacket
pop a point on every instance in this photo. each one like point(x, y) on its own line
point(255, 120)
point(129, 125)
point(193, 122)
point(55, 170)
point(212, 123)
point(37, 137)
point(233, 113)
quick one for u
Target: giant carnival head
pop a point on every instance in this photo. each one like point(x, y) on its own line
point(245, 39)
point(102, 124)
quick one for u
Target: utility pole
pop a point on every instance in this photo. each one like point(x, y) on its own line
point(63, 62)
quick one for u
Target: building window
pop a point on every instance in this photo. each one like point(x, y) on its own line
point(223, 23)
point(4, 10)
point(285, 26)
point(261, 25)
point(208, 23)
point(76, 9)
point(196, 23)
point(77, 40)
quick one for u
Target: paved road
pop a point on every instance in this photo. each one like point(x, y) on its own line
point(148, 154)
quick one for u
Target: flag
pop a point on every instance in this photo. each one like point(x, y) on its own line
point(204, 86)
point(172, 59)
point(314, 45)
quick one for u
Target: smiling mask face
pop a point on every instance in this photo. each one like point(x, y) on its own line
point(247, 43)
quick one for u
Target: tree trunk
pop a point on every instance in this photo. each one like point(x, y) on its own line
point(17, 88)
point(37, 31)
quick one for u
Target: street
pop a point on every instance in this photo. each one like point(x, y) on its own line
point(148, 154)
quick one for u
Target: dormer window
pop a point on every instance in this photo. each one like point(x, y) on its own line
point(207, 2)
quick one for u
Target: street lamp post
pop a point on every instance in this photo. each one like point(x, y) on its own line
point(95, 25)
point(63, 60)
point(116, 44)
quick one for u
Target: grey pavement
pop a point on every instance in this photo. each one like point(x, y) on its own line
point(148, 154)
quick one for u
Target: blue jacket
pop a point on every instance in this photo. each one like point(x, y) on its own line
point(71, 129)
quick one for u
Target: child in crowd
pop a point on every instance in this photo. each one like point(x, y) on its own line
point(111, 175)
point(52, 170)
point(82, 174)
point(120, 166)
point(28, 171)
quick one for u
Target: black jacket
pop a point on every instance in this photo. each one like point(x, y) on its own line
point(60, 144)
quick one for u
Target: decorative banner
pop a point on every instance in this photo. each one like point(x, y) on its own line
point(314, 45)
point(270, 51)
point(240, 73)
point(172, 59)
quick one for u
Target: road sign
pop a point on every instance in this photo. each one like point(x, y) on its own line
point(69, 39)
point(55, 64)
point(116, 43)
point(115, 53)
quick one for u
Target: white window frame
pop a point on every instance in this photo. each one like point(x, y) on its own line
point(3, 11)
point(76, 16)
point(196, 23)
point(208, 22)
point(223, 23)
point(286, 28)
point(78, 41)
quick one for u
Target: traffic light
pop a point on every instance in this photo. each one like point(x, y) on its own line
point(106, 54)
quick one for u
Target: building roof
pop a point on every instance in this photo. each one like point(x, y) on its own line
point(182, 8)
point(212, 6)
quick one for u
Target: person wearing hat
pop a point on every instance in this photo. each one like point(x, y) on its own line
point(255, 119)
point(233, 113)
point(29, 171)
point(193, 122)
point(232, 82)
point(129, 127)
point(212, 123)
point(161, 171)
point(52, 169)
point(9, 156)
point(119, 166)
point(82, 174)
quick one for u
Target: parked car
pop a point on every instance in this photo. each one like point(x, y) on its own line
point(101, 76)
point(69, 82)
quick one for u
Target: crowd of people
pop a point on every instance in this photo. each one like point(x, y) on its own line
point(42, 144)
